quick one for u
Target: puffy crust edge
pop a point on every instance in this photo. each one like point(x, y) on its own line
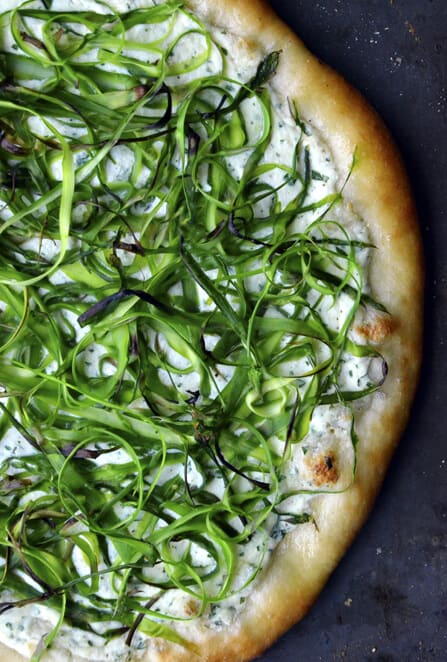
point(380, 192)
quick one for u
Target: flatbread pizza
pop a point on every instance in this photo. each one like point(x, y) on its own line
point(210, 327)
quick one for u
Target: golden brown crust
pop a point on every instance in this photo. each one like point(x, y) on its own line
point(9, 655)
point(379, 191)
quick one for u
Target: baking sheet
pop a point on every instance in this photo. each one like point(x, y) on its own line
point(387, 601)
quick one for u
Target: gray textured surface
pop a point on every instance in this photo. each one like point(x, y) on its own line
point(387, 601)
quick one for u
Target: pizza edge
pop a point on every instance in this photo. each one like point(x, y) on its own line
point(380, 192)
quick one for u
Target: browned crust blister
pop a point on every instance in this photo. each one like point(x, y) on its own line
point(379, 191)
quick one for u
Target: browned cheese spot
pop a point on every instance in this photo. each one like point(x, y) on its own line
point(323, 468)
point(191, 608)
point(377, 329)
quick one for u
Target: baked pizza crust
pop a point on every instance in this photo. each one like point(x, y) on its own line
point(379, 191)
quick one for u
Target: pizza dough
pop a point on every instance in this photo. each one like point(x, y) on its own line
point(378, 190)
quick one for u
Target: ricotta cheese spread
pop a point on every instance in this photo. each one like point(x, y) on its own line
point(180, 278)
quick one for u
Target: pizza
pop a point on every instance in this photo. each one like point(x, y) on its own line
point(210, 327)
